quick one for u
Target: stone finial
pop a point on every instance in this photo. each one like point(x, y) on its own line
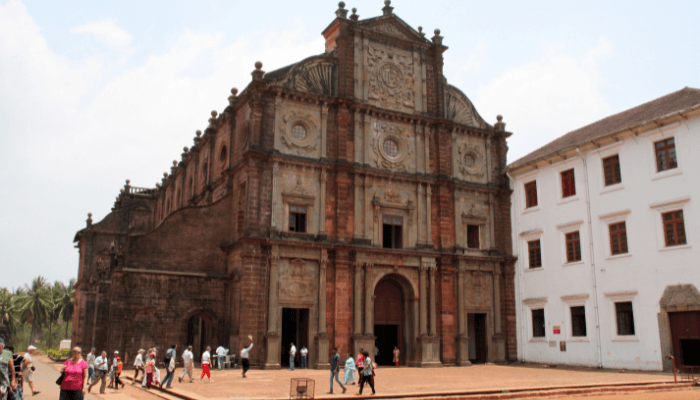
point(437, 39)
point(341, 12)
point(174, 163)
point(420, 30)
point(234, 95)
point(185, 149)
point(354, 15)
point(500, 125)
point(214, 113)
point(165, 174)
point(89, 220)
point(197, 138)
point(388, 9)
point(234, 91)
point(157, 185)
point(128, 183)
point(258, 73)
point(198, 133)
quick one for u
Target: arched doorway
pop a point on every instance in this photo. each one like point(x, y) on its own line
point(201, 333)
point(389, 320)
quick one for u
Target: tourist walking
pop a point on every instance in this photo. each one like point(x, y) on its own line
point(220, 356)
point(91, 365)
point(100, 372)
point(188, 362)
point(170, 357)
point(170, 368)
point(17, 360)
point(206, 358)
point(349, 378)
point(7, 371)
point(155, 370)
point(75, 376)
point(360, 365)
point(292, 355)
point(396, 355)
point(113, 370)
point(150, 367)
point(28, 369)
point(245, 352)
point(335, 368)
point(138, 366)
point(366, 374)
point(304, 355)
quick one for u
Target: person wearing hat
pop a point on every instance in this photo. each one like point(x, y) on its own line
point(91, 365)
point(28, 369)
point(150, 366)
point(117, 373)
point(138, 365)
point(100, 372)
point(7, 371)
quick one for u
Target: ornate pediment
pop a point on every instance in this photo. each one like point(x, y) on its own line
point(316, 74)
point(458, 108)
point(393, 26)
point(680, 297)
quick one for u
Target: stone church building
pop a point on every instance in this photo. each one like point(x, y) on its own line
point(352, 199)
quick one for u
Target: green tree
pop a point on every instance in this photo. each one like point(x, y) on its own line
point(66, 303)
point(8, 311)
point(36, 305)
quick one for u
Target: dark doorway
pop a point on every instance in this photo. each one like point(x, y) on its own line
point(295, 329)
point(388, 321)
point(200, 334)
point(685, 336)
point(478, 347)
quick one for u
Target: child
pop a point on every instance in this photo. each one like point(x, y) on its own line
point(150, 365)
point(117, 373)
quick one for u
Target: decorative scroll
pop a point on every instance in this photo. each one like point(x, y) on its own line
point(458, 108)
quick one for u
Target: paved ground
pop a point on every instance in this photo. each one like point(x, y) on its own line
point(228, 384)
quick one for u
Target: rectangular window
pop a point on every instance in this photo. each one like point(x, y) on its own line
point(531, 194)
point(568, 183)
point(578, 321)
point(392, 232)
point(674, 228)
point(297, 219)
point(535, 254)
point(618, 238)
point(473, 236)
point(573, 247)
point(611, 169)
point(666, 155)
point(538, 323)
point(625, 318)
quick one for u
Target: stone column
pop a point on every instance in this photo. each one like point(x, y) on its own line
point(357, 231)
point(419, 220)
point(433, 319)
point(428, 213)
point(324, 123)
point(426, 133)
point(358, 300)
point(322, 204)
point(368, 138)
point(423, 316)
point(272, 336)
point(369, 303)
point(498, 338)
point(463, 322)
point(322, 341)
point(359, 153)
point(275, 191)
point(365, 208)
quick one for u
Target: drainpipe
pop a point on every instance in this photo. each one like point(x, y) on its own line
point(523, 335)
point(592, 255)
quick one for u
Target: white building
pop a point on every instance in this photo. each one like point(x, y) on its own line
point(605, 228)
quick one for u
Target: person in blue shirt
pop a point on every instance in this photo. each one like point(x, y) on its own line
point(335, 367)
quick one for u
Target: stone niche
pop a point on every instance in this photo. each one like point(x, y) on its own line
point(299, 187)
point(472, 208)
point(398, 202)
point(298, 129)
point(395, 78)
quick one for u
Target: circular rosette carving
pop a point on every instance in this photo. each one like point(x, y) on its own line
point(391, 147)
point(299, 133)
point(470, 161)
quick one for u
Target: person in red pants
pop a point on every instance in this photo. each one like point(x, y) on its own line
point(206, 358)
point(150, 366)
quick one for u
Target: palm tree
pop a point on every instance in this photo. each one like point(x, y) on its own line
point(66, 303)
point(36, 305)
point(8, 311)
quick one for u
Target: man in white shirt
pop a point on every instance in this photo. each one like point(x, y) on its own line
point(28, 369)
point(221, 356)
point(100, 372)
point(304, 354)
point(292, 355)
point(138, 366)
point(91, 365)
point(187, 359)
point(245, 351)
point(206, 358)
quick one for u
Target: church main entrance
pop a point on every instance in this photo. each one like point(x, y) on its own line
point(200, 334)
point(295, 329)
point(478, 347)
point(388, 321)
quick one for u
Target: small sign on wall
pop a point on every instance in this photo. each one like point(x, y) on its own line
point(562, 346)
point(557, 330)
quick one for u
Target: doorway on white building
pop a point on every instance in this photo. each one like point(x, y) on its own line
point(295, 329)
point(685, 336)
point(478, 347)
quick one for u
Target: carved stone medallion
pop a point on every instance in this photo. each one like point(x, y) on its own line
point(390, 78)
point(391, 146)
point(470, 161)
point(298, 133)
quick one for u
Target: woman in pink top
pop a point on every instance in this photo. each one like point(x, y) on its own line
point(75, 379)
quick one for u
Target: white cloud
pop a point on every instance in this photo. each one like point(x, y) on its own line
point(106, 31)
point(547, 97)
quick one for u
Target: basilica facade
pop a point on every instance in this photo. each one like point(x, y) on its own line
point(353, 199)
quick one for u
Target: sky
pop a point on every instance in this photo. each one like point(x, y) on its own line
point(93, 93)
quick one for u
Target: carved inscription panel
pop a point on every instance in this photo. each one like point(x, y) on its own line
point(478, 289)
point(298, 281)
point(390, 77)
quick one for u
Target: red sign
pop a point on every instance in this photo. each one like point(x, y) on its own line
point(557, 330)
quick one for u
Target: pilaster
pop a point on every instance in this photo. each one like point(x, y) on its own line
point(462, 321)
point(498, 338)
point(272, 338)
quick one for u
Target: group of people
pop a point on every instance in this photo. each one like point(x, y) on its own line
point(15, 369)
point(364, 367)
point(304, 352)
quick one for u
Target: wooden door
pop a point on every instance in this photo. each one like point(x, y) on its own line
point(685, 337)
